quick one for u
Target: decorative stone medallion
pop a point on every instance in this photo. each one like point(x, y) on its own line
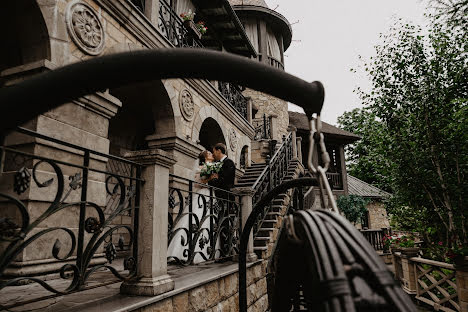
point(232, 139)
point(85, 28)
point(187, 108)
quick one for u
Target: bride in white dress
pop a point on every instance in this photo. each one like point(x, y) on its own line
point(200, 212)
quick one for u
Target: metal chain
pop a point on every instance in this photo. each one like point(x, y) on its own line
point(315, 126)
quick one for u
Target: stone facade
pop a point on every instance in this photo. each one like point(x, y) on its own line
point(378, 218)
point(270, 106)
point(219, 295)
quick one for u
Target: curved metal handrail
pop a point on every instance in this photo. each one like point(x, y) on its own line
point(346, 241)
point(23, 101)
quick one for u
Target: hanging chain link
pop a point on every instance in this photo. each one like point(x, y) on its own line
point(316, 137)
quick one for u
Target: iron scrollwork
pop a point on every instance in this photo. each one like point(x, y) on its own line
point(172, 27)
point(272, 176)
point(234, 96)
point(203, 226)
point(100, 222)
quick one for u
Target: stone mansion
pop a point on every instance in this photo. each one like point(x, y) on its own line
point(97, 195)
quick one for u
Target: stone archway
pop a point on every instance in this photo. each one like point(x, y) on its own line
point(146, 111)
point(203, 114)
point(211, 134)
point(24, 34)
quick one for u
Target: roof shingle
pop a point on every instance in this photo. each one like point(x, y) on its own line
point(361, 188)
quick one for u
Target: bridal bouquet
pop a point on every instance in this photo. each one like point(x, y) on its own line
point(209, 168)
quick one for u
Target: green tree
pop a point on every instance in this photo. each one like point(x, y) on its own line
point(353, 207)
point(366, 158)
point(418, 104)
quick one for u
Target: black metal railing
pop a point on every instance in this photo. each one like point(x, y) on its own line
point(140, 4)
point(204, 222)
point(335, 179)
point(272, 176)
point(78, 210)
point(172, 27)
point(233, 95)
point(262, 128)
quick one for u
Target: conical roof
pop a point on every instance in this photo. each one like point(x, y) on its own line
point(261, 3)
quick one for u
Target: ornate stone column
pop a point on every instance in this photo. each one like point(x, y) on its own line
point(294, 143)
point(152, 11)
point(246, 201)
point(152, 276)
point(299, 148)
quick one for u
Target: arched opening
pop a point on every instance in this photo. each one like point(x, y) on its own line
point(146, 110)
point(211, 134)
point(24, 33)
point(244, 157)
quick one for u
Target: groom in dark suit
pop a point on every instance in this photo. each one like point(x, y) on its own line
point(227, 173)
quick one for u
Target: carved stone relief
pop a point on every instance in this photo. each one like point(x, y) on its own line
point(232, 139)
point(187, 108)
point(85, 28)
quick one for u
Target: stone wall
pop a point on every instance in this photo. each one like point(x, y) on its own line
point(219, 295)
point(271, 106)
point(378, 218)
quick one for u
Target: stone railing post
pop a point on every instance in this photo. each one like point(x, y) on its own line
point(152, 278)
point(299, 148)
point(293, 131)
point(249, 109)
point(461, 267)
point(408, 269)
point(275, 135)
point(246, 201)
point(152, 11)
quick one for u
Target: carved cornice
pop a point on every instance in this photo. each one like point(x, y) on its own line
point(174, 143)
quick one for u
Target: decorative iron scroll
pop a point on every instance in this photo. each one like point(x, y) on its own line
point(96, 199)
point(172, 27)
point(204, 222)
point(272, 176)
point(234, 96)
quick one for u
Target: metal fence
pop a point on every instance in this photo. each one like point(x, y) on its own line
point(172, 27)
point(65, 206)
point(204, 222)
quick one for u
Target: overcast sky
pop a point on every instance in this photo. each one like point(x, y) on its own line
point(332, 34)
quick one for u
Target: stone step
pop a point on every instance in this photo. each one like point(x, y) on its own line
point(261, 241)
point(268, 224)
point(261, 252)
point(272, 215)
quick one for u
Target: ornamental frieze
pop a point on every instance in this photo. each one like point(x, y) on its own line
point(85, 28)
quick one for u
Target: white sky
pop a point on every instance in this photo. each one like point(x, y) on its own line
point(332, 34)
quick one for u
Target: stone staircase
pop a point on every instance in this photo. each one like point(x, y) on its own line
point(265, 238)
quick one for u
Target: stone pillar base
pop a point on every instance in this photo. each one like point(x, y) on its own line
point(148, 286)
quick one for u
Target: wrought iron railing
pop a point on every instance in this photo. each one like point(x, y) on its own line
point(140, 4)
point(234, 96)
point(272, 176)
point(335, 179)
point(204, 222)
point(262, 128)
point(172, 27)
point(81, 206)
